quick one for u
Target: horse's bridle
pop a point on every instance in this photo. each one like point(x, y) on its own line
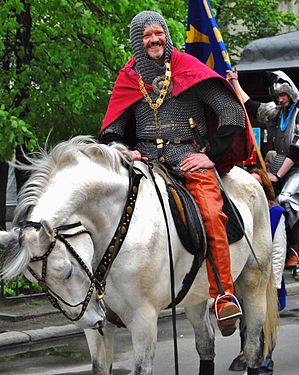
point(54, 297)
point(98, 278)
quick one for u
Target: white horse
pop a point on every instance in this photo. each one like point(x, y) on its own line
point(72, 205)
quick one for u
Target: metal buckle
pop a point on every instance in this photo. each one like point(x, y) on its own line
point(159, 142)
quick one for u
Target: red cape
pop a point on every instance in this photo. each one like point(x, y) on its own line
point(186, 71)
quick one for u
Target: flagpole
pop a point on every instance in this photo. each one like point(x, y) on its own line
point(225, 58)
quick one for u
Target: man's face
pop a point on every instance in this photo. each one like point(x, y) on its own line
point(283, 99)
point(154, 40)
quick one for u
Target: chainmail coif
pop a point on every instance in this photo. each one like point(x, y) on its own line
point(146, 67)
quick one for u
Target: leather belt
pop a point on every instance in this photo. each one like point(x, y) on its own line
point(160, 141)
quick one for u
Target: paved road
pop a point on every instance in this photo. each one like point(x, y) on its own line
point(71, 356)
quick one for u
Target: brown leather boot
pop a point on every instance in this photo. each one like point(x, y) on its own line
point(227, 313)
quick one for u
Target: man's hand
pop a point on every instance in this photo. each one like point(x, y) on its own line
point(136, 156)
point(232, 74)
point(272, 177)
point(195, 162)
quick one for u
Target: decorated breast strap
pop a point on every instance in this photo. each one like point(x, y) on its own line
point(115, 244)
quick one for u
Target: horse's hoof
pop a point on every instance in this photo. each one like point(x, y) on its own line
point(207, 367)
point(239, 363)
point(252, 371)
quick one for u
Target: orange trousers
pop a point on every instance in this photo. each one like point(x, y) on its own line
point(204, 188)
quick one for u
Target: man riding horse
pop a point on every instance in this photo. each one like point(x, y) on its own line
point(160, 107)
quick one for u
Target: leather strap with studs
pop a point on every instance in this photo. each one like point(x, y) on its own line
point(115, 244)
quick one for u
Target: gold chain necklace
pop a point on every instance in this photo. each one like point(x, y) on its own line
point(157, 104)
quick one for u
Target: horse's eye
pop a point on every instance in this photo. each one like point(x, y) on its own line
point(69, 273)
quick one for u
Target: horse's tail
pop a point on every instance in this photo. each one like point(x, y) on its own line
point(272, 317)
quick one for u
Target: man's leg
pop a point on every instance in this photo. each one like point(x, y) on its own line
point(203, 186)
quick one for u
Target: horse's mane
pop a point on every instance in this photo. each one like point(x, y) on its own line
point(43, 164)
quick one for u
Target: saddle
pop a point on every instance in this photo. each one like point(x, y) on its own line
point(189, 222)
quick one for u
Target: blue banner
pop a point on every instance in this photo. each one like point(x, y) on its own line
point(257, 134)
point(204, 39)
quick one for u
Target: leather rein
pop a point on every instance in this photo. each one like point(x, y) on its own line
point(98, 278)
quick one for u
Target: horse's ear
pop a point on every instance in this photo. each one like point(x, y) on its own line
point(46, 232)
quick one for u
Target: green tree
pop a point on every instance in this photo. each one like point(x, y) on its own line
point(59, 58)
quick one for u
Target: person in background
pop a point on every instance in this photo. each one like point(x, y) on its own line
point(158, 108)
point(278, 218)
point(282, 118)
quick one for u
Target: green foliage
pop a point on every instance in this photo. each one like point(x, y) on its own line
point(13, 131)
point(20, 286)
point(58, 74)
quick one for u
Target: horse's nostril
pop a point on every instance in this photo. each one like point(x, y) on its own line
point(100, 325)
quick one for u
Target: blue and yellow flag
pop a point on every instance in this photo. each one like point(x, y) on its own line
point(204, 39)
